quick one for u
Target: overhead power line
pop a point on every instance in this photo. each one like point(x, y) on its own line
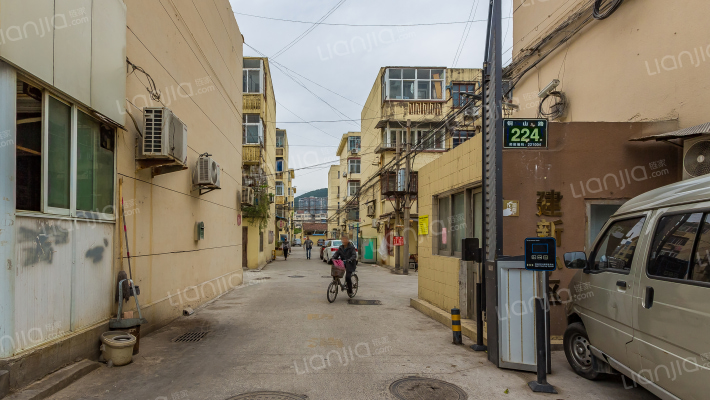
point(366, 25)
point(309, 30)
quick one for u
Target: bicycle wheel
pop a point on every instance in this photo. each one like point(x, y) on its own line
point(353, 278)
point(332, 291)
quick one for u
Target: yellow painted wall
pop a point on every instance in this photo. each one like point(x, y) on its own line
point(371, 137)
point(204, 89)
point(257, 258)
point(614, 72)
point(439, 275)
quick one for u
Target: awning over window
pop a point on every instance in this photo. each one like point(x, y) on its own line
point(686, 133)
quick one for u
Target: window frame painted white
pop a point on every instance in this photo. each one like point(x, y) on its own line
point(387, 84)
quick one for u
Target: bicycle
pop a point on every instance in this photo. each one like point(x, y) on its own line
point(336, 284)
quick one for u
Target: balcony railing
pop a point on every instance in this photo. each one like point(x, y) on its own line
point(423, 108)
point(280, 200)
point(252, 103)
point(392, 183)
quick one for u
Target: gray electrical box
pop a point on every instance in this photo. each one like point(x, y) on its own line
point(200, 231)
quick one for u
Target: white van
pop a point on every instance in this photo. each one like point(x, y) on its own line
point(641, 302)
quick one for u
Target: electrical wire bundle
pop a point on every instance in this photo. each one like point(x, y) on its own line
point(604, 11)
point(555, 110)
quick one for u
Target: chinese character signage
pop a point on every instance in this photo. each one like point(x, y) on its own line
point(398, 240)
point(423, 224)
point(524, 133)
point(540, 254)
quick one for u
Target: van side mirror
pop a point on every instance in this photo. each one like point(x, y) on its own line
point(576, 260)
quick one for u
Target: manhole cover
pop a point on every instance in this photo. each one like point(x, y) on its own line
point(425, 388)
point(296, 276)
point(268, 396)
point(364, 302)
point(191, 337)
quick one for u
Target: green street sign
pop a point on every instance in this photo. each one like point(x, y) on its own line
point(522, 133)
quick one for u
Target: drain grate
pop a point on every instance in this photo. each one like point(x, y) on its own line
point(268, 396)
point(296, 276)
point(191, 337)
point(262, 278)
point(413, 388)
point(364, 302)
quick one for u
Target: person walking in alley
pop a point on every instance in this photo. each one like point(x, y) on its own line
point(309, 246)
point(284, 247)
point(348, 254)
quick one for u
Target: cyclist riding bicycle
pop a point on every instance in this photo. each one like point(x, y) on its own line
point(348, 254)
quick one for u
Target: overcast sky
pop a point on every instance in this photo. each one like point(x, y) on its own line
point(346, 59)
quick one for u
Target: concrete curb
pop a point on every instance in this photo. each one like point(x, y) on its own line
point(56, 381)
point(468, 326)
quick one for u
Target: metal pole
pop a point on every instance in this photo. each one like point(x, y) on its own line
point(456, 325)
point(479, 346)
point(407, 204)
point(541, 385)
point(397, 207)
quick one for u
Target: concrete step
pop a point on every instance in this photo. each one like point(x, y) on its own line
point(56, 381)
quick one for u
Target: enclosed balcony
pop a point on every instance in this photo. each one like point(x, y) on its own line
point(251, 154)
point(253, 103)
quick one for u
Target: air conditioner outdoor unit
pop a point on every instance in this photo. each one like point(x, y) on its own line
point(471, 111)
point(345, 174)
point(164, 136)
point(248, 196)
point(375, 223)
point(353, 151)
point(370, 210)
point(696, 157)
point(207, 173)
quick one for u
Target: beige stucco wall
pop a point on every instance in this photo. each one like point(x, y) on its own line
point(439, 275)
point(195, 58)
point(648, 61)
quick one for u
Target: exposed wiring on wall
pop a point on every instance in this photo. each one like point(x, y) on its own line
point(151, 88)
point(135, 123)
point(604, 11)
point(555, 110)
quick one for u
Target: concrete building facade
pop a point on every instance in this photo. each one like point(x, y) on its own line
point(73, 100)
point(259, 164)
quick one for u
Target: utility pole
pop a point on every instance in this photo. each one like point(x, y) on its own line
point(407, 204)
point(397, 206)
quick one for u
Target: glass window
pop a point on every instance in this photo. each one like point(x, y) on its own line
point(408, 90)
point(423, 90)
point(701, 262)
point(354, 166)
point(408, 73)
point(280, 139)
point(353, 187)
point(457, 89)
point(252, 129)
point(444, 223)
point(396, 90)
point(416, 84)
point(279, 165)
point(59, 150)
point(616, 249)
point(354, 143)
point(458, 221)
point(279, 188)
point(94, 180)
point(27, 146)
point(672, 246)
point(251, 76)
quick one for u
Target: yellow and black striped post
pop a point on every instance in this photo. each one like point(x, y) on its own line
point(456, 325)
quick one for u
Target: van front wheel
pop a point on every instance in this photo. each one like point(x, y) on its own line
point(579, 355)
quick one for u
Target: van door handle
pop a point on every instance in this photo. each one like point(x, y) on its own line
point(621, 284)
point(648, 300)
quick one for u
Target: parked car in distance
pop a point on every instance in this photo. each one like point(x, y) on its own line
point(636, 302)
point(331, 246)
point(321, 244)
point(297, 242)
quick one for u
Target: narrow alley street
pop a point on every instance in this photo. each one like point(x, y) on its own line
point(262, 335)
